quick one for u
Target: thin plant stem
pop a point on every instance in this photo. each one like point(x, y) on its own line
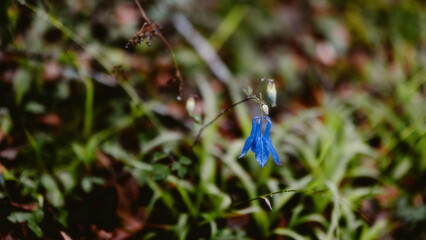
point(143, 13)
point(280, 191)
point(178, 75)
point(197, 138)
point(221, 113)
point(88, 108)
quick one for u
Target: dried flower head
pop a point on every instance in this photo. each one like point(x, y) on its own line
point(147, 32)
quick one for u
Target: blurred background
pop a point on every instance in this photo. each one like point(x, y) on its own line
point(96, 141)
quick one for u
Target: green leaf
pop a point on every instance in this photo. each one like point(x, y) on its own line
point(160, 171)
point(33, 222)
point(181, 170)
point(158, 156)
point(290, 233)
point(79, 151)
point(32, 218)
point(246, 91)
point(35, 107)
point(249, 90)
point(184, 160)
point(88, 182)
point(54, 195)
point(197, 117)
point(22, 84)
point(67, 179)
point(5, 121)
point(19, 217)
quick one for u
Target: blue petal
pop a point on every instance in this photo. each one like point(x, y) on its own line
point(249, 141)
point(273, 152)
point(257, 133)
point(266, 149)
point(268, 127)
point(260, 152)
point(260, 144)
point(271, 147)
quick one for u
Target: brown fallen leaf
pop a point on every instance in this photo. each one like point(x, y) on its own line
point(51, 119)
point(25, 206)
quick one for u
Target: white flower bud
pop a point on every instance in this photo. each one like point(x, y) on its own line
point(265, 109)
point(190, 105)
point(272, 92)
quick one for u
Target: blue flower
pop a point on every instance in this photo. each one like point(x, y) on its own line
point(260, 144)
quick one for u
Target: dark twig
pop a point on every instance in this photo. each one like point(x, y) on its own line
point(156, 32)
point(143, 13)
point(197, 138)
point(250, 97)
point(280, 191)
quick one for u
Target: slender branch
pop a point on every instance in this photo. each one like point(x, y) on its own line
point(197, 138)
point(250, 97)
point(143, 13)
point(280, 191)
point(256, 87)
point(264, 197)
point(178, 75)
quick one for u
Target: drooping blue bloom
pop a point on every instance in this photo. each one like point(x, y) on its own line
point(261, 144)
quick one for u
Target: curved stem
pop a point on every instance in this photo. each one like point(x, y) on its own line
point(250, 97)
point(197, 138)
point(280, 191)
point(178, 75)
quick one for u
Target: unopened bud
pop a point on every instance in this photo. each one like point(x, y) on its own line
point(272, 92)
point(190, 105)
point(265, 109)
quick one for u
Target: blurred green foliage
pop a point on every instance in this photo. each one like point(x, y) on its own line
point(95, 144)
